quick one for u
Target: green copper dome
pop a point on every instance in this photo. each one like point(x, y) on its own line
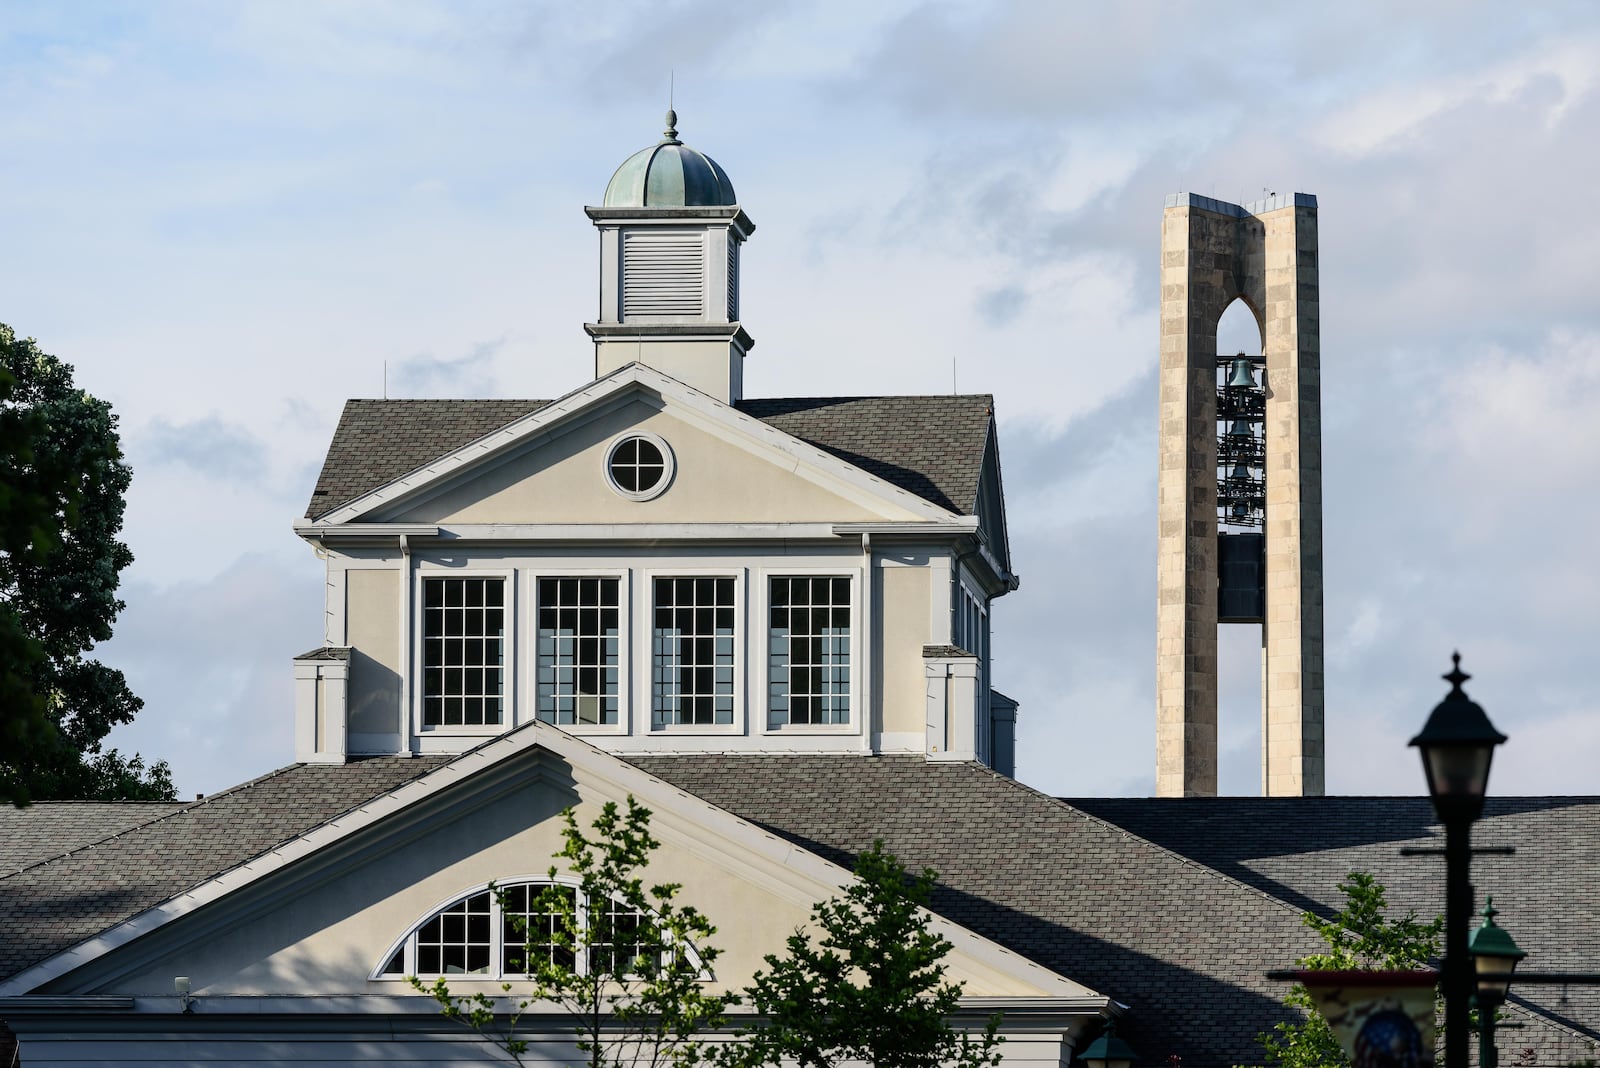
point(669, 175)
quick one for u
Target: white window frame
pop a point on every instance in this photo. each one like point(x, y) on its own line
point(406, 944)
point(646, 622)
point(509, 717)
point(669, 470)
point(760, 684)
point(626, 615)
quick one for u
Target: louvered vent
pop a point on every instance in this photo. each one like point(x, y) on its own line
point(662, 273)
point(733, 280)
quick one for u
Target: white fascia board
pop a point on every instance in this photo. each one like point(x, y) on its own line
point(947, 527)
point(586, 532)
point(323, 529)
point(747, 841)
point(714, 416)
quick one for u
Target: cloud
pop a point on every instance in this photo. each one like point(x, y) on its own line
point(426, 375)
point(211, 658)
point(210, 446)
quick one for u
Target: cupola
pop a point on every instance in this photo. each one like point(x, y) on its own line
point(670, 231)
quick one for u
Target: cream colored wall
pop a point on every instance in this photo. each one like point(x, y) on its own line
point(372, 627)
point(564, 481)
point(903, 594)
point(328, 939)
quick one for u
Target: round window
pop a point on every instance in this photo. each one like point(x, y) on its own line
point(639, 466)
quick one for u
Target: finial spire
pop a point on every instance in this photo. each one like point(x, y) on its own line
point(671, 132)
point(1456, 676)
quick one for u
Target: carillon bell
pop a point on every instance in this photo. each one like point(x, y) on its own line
point(1240, 510)
point(1240, 473)
point(1243, 375)
point(1240, 428)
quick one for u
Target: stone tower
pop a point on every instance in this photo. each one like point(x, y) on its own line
point(1269, 568)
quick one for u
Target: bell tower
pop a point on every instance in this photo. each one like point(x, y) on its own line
point(1240, 497)
point(670, 234)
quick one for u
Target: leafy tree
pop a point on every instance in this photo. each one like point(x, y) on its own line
point(626, 961)
point(869, 988)
point(1359, 936)
point(62, 482)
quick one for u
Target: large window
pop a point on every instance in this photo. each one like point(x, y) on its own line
point(808, 650)
point(578, 650)
point(509, 937)
point(463, 651)
point(692, 653)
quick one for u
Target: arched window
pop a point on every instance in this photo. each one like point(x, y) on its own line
point(510, 934)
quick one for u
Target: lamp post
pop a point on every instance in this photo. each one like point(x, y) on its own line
point(1457, 744)
point(1108, 1051)
point(1494, 957)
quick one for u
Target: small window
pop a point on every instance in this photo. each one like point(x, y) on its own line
point(639, 467)
point(463, 651)
point(808, 659)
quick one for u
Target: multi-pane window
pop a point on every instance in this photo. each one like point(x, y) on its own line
point(463, 651)
point(530, 934)
point(458, 939)
point(808, 650)
point(692, 651)
point(515, 932)
point(578, 650)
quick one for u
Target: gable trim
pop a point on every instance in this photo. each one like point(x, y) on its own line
point(715, 417)
point(755, 844)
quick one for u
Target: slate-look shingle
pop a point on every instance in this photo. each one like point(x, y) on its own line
point(52, 905)
point(930, 446)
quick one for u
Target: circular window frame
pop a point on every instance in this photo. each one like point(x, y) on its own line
point(669, 466)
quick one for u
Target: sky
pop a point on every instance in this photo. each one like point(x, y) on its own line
point(231, 217)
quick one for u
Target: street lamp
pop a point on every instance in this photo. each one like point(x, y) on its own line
point(1494, 957)
point(1109, 1051)
point(1457, 744)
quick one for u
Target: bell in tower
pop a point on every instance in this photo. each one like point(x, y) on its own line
point(670, 233)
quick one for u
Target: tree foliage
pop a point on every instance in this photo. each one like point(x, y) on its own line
point(636, 1006)
point(1359, 936)
point(62, 482)
point(869, 987)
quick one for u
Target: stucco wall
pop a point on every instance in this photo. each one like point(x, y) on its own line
point(372, 599)
point(903, 593)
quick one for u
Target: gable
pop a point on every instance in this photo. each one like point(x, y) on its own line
point(930, 446)
point(324, 919)
point(717, 476)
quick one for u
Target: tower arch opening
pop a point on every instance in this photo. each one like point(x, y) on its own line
point(1241, 549)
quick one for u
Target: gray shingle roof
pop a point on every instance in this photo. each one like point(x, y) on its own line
point(1184, 945)
point(1299, 849)
point(54, 904)
point(1177, 907)
point(930, 446)
point(46, 830)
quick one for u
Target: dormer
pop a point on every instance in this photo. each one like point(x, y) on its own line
point(670, 230)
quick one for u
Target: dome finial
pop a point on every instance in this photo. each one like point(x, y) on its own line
point(671, 132)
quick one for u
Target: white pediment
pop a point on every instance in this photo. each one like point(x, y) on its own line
point(318, 916)
point(550, 468)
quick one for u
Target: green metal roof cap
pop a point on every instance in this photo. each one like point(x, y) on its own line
point(669, 175)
